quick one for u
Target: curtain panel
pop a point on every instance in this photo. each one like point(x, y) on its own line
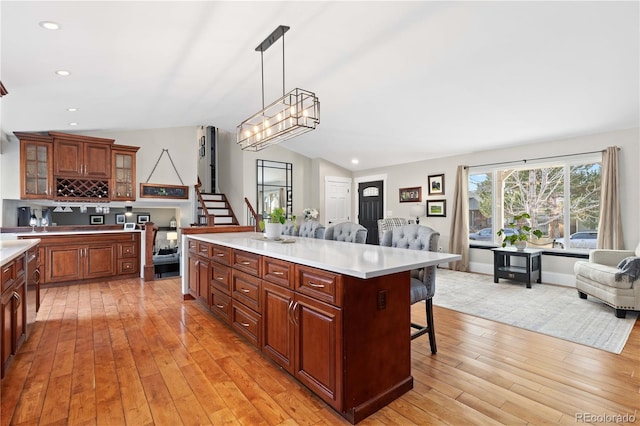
point(610, 234)
point(459, 242)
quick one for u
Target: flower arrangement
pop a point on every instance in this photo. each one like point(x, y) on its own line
point(310, 213)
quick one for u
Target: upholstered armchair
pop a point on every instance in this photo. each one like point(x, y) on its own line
point(423, 280)
point(347, 231)
point(597, 278)
point(311, 229)
point(388, 224)
point(289, 229)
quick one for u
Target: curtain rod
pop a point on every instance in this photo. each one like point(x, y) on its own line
point(535, 159)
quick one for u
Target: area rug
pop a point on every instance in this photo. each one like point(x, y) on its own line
point(548, 309)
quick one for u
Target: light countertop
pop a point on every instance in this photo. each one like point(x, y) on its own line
point(11, 249)
point(38, 234)
point(357, 260)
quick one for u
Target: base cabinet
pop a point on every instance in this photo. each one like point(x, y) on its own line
point(13, 308)
point(68, 258)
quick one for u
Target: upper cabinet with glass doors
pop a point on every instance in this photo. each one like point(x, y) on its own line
point(123, 172)
point(36, 156)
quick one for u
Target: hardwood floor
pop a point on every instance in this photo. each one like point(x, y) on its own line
point(125, 352)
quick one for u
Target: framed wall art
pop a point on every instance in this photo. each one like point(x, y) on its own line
point(410, 194)
point(436, 184)
point(96, 219)
point(143, 218)
point(152, 190)
point(120, 218)
point(437, 208)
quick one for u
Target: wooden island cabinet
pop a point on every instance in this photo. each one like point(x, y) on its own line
point(340, 325)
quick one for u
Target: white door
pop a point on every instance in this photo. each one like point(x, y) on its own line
point(337, 199)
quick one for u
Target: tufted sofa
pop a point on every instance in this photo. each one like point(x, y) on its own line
point(347, 231)
point(311, 229)
point(596, 277)
point(423, 280)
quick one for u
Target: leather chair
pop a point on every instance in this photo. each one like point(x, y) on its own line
point(597, 278)
point(289, 229)
point(423, 281)
point(388, 224)
point(347, 231)
point(311, 229)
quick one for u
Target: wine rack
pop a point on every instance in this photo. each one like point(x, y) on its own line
point(82, 189)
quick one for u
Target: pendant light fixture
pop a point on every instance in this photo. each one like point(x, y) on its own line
point(295, 113)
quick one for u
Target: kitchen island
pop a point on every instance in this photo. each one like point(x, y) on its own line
point(335, 315)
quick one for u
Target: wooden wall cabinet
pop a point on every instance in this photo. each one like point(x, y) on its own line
point(13, 311)
point(36, 163)
point(71, 167)
point(123, 172)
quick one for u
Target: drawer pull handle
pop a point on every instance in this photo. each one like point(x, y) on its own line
point(220, 306)
point(244, 290)
point(245, 263)
point(244, 324)
point(220, 254)
point(278, 273)
point(312, 284)
point(220, 278)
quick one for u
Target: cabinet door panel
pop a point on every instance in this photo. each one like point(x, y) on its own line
point(278, 329)
point(68, 156)
point(20, 306)
point(63, 263)
point(194, 262)
point(97, 160)
point(318, 350)
point(204, 280)
point(6, 304)
point(100, 261)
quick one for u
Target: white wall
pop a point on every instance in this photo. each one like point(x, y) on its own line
point(556, 269)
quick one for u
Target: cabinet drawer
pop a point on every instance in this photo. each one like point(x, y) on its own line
point(222, 255)
point(127, 250)
point(221, 278)
point(204, 249)
point(322, 285)
point(277, 271)
point(127, 266)
point(19, 266)
point(246, 289)
point(8, 275)
point(192, 245)
point(247, 262)
point(247, 323)
point(220, 305)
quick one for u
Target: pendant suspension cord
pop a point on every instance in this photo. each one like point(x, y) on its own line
point(283, 64)
point(262, 73)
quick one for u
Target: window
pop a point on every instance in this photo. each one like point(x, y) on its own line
point(563, 199)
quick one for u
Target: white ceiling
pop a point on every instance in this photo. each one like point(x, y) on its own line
point(397, 81)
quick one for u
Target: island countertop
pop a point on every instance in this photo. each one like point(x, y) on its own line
point(356, 260)
point(11, 249)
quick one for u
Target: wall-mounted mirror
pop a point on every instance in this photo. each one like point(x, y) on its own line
point(275, 187)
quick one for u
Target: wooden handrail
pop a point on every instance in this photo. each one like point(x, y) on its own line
point(256, 217)
point(205, 211)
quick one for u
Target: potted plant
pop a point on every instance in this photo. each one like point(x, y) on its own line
point(273, 227)
point(518, 231)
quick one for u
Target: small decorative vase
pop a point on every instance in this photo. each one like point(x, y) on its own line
point(521, 245)
point(272, 230)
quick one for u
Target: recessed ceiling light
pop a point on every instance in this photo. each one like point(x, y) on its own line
point(72, 109)
point(49, 25)
point(73, 124)
point(63, 72)
point(355, 161)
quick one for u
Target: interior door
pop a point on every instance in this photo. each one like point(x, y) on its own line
point(370, 205)
point(337, 200)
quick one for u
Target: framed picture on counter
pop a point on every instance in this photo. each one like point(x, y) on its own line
point(143, 218)
point(96, 219)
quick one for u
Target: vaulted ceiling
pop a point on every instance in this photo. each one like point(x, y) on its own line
point(397, 81)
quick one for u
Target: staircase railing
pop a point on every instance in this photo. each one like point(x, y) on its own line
point(209, 219)
point(253, 218)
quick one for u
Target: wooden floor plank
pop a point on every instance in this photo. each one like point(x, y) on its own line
point(133, 353)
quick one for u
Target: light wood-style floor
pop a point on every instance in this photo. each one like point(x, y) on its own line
point(125, 352)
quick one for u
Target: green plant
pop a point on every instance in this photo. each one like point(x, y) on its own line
point(278, 215)
point(521, 231)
